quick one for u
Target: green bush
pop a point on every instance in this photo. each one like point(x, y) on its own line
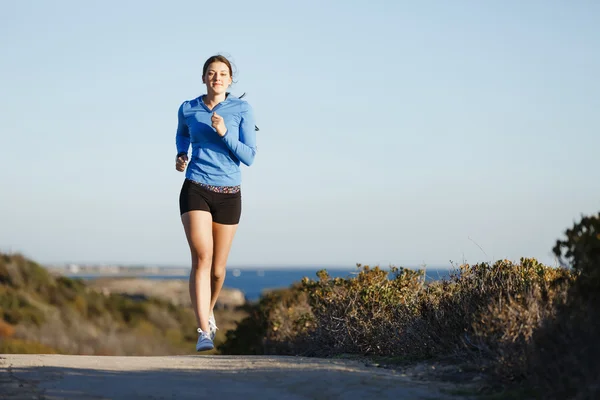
point(17, 309)
point(562, 356)
point(18, 272)
point(270, 327)
point(28, 293)
point(580, 250)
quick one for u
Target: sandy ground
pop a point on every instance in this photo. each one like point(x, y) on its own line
point(203, 377)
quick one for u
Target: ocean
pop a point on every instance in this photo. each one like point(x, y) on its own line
point(252, 282)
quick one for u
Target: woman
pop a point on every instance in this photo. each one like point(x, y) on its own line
point(220, 128)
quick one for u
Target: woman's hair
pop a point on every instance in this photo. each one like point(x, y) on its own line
point(217, 58)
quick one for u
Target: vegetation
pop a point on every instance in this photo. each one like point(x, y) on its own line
point(531, 327)
point(41, 313)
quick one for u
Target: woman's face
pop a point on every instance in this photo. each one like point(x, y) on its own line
point(217, 77)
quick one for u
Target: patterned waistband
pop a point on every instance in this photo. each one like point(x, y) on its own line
point(218, 189)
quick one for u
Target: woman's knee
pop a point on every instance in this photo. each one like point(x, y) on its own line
point(202, 260)
point(218, 273)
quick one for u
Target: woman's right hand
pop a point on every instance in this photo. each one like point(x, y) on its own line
point(181, 163)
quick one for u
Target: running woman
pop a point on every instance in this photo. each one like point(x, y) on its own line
point(221, 131)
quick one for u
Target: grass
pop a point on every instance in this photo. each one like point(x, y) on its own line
point(18, 346)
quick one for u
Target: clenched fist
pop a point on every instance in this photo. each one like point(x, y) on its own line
point(219, 124)
point(181, 163)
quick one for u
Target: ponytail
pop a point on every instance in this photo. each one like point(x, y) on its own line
point(243, 94)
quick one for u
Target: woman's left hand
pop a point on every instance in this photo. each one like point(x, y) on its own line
point(219, 124)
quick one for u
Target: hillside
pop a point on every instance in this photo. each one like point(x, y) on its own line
point(41, 313)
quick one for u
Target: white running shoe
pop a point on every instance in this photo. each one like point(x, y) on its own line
point(212, 326)
point(204, 341)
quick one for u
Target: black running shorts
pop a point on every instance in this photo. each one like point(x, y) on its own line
point(225, 208)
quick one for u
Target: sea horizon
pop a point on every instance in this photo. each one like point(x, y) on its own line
point(316, 267)
point(254, 282)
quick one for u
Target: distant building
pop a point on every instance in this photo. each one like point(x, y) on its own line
point(73, 268)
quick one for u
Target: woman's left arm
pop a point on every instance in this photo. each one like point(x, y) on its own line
point(244, 148)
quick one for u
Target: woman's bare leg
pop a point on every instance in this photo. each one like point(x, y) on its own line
point(222, 240)
point(198, 230)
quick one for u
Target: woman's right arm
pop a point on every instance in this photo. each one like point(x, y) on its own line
point(182, 141)
point(182, 138)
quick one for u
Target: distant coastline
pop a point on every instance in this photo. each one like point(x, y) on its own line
point(105, 270)
point(252, 282)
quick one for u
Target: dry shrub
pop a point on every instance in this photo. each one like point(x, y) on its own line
point(380, 312)
point(483, 312)
point(503, 334)
point(290, 318)
point(276, 324)
point(163, 319)
point(394, 313)
point(329, 316)
point(363, 314)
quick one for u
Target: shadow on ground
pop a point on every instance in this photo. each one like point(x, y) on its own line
point(203, 377)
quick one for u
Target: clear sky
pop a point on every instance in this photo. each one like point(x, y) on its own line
point(391, 132)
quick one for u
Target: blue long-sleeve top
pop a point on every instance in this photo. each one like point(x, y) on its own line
point(216, 160)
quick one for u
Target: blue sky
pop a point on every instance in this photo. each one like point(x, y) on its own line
point(391, 132)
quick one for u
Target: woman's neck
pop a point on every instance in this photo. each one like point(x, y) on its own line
point(212, 99)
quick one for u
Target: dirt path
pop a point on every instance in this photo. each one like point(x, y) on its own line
point(199, 377)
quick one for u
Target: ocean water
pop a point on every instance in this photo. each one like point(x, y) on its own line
point(252, 282)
